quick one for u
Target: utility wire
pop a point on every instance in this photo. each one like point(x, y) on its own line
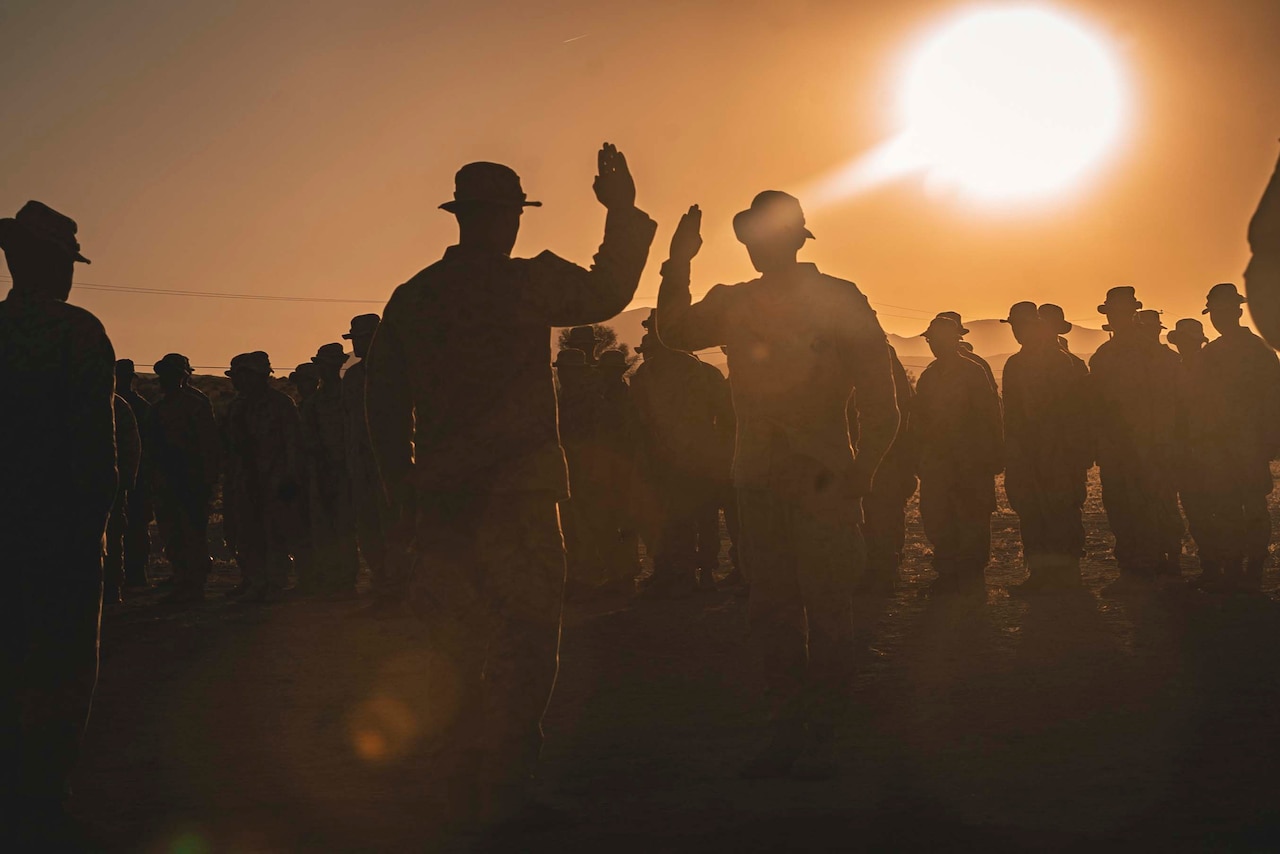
point(134, 289)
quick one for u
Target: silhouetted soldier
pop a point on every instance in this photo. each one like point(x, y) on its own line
point(184, 440)
point(1133, 381)
point(578, 405)
point(956, 430)
point(389, 589)
point(1240, 408)
point(584, 338)
point(1262, 276)
point(966, 349)
point(720, 496)
point(463, 422)
point(334, 555)
point(1046, 451)
point(306, 379)
point(1189, 467)
point(800, 344)
point(884, 509)
point(615, 475)
point(262, 495)
point(57, 484)
point(128, 456)
point(676, 403)
point(140, 510)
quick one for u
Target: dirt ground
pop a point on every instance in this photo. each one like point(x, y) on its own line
point(1080, 722)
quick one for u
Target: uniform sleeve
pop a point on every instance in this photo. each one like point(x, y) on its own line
point(560, 293)
point(877, 406)
point(389, 404)
point(93, 387)
point(683, 324)
point(128, 444)
point(989, 421)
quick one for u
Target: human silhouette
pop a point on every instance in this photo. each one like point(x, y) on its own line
point(800, 345)
point(615, 477)
point(584, 338)
point(1189, 339)
point(1047, 451)
point(387, 582)
point(578, 405)
point(677, 402)
point(57, 483)
point(128, 457)
point(1133, 392)
point(334, 555)
point(884, 508)
point(1238, 411)
point(1262, 276)
point(462, 416)
point(306, 379)
point(140, 509)
point(183, 436)
point(263, 493)
point(966, 349)
point(957, 432)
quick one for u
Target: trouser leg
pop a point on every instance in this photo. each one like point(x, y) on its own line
point(113, 567)
point(137, 537)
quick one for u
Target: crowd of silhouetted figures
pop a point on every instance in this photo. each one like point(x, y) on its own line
point(650, 451)
point(449, 460)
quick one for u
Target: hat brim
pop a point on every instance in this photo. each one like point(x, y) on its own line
point(455, 205)
point(10, 227)
point(1238, 300)
point(1106, 308)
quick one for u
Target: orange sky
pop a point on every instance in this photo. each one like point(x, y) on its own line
point(301, 149)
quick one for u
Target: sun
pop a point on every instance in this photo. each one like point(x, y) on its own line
point(1005, 104)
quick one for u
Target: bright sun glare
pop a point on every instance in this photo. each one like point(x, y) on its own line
point(1003, 105)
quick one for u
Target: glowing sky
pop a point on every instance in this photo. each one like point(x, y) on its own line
point(301, 148)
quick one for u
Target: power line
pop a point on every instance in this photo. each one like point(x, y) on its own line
point(174, 292)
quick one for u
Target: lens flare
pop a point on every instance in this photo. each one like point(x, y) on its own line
point(1000, 105)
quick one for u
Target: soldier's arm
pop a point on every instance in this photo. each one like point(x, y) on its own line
point(93, 388)
point(389, 407)
point(561, 293)
point(128, 445)
point(876, 399)
point(683, 324)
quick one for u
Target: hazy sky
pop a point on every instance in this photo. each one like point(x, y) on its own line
point(301, 149)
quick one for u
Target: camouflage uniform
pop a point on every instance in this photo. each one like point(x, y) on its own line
point(57, 484)
point(1133, 392)
point(128, 456)
point(183, 436)
point(1236, 421)
point(366, 488)
point(956, 430)
point(799, 345)
point(1047, 456)
point(263, 493)
point(334, 554)
point(462, 418)
point(884, 509)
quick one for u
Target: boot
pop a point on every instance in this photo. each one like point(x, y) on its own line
point(1035, 582)
point(1210, 577)
point(1251, 578)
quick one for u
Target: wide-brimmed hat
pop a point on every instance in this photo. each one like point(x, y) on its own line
point(1054, 318)
point(482, 184)
point(39, 222)
point(1022, 312)
point(256, 362)
point(942, 327)
point(613, 360)
point(955, 315)
point(307, 370)
point(772, 213)
point(1119, 299)
point(172, 363)
point(332, 354)
point(126, 368)
point(1226, 292)
point(1188, 330)
point(648, 322)
point(570, 357)
point(363, 324)
point(582, 335)
point(1149, 317)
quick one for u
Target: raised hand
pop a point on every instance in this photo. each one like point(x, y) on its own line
point(687, 240)
point(614, 186)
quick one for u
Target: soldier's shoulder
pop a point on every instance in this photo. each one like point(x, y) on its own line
point(419, 283)
point(280, 400)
